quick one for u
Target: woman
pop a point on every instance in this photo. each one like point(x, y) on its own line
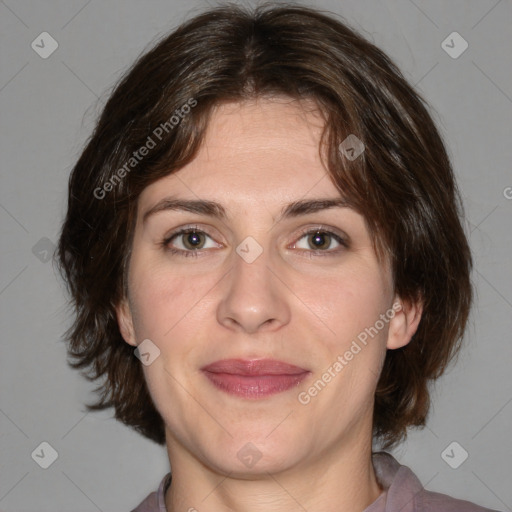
point(264, 249)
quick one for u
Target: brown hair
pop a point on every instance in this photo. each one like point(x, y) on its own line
point(402, 183)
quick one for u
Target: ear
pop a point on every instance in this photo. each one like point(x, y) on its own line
point(125, 322)
point(404, 323)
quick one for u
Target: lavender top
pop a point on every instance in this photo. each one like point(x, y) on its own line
point(402, 491)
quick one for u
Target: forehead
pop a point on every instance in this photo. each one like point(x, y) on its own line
point(259, 151)
point(264, 118)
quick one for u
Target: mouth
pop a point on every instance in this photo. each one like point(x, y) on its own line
point(255, 378)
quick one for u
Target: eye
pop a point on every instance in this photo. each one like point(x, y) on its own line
point(191, 241)
point(186, 241)
point(320, 240)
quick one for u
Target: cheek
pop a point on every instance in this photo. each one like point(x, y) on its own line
point(351, 305)
point(164, 299)
point(168, 306)
point(348, 300)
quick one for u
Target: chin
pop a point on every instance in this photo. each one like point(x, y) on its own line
point(248, 455)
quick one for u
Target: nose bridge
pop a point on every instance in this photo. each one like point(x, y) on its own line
point(253, 298)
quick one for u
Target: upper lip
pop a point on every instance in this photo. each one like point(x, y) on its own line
point(253, 367)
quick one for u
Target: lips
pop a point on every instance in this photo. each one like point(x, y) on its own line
point(256, 378)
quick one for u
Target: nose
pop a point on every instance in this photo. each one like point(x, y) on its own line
point(254, 298)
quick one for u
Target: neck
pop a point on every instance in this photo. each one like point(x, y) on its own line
point(342, 479)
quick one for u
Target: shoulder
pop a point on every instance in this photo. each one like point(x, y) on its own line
point(406, 493)
point(155, 501)
point(435, 502)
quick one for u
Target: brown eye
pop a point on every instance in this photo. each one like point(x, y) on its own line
point(189, 242)
point(321, 241)
point(193, 240)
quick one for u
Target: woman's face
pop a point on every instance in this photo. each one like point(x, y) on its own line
point(290, 303)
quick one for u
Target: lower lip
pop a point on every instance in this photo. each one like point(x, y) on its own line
point(254, 386)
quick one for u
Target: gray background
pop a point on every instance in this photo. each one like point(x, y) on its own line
point(48, 107)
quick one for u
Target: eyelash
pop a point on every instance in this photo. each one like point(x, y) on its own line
point(196, 253)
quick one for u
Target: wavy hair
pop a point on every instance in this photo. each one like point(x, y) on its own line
point(402, 184)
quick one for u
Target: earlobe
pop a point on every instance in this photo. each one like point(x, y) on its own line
point(405, 321)
point(125, 322)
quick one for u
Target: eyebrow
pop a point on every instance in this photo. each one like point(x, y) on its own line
point(214, 209)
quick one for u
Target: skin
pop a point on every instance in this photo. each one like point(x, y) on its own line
point(292, 303)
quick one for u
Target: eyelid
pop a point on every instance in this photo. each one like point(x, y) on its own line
point(338, 235)
point(335, 233)
point(186, 229)
point(324, 228)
